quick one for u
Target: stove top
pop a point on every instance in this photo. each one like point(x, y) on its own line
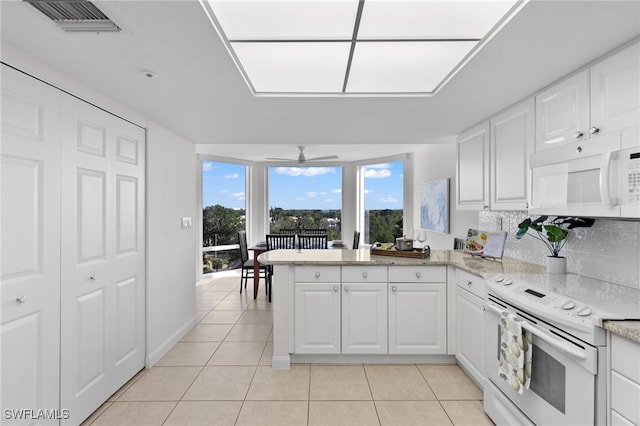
point(567, 300)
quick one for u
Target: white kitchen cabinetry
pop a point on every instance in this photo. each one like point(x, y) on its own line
point(472, 168)
point(317, 310)
point(417, 310)
point(562, 111)
point(601, 99)
point(512, 136)
point(615, 91)
point(624, 382)
point(470, 323)
point(364, 310)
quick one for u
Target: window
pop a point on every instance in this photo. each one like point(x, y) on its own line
point(306, 197)
point(223, 214)
point(382, 213)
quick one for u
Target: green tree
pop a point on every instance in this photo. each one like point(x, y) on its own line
point(220, 225)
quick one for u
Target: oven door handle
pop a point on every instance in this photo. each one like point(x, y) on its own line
point(546, 337)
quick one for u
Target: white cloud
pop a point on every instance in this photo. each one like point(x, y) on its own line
point(238, 195)
point(207, 166)
point(337, 191)
point(304, 171)
point(314, 194)
point(388, 199)
point(377, 171)
point(328, 200)
point(232, 176)
point(369, 191)
point(223, 191)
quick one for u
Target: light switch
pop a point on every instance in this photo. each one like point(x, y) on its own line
point(186, 222)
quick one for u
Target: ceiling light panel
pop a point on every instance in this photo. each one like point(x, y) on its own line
point(286, 19)
point(402, 19)
point(403, 67)
point(294, 67)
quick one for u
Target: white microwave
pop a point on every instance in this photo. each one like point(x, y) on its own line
point(597, 177)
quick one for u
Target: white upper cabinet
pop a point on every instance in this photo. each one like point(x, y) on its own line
point(562, 112)
point(615, 91)
point(473, 169)
point(601, 99)
point(512, 134)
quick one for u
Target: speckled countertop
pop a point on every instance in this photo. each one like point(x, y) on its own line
point(628, 329)
point(474, 265)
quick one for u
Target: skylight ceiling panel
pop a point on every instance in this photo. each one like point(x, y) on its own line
point(411, 19)
point(286, 20)
point(298, 67)
point(403, 67)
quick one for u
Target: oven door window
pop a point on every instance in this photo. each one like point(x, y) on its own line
point(548, 378)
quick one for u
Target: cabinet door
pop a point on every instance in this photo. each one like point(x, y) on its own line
point(615, 89)
point(562, 112)
point(417, 318)
point(364, 318)
point(103, 296)
point(470, 333)
point(317, 318)
point(473, 169)
point(512, 135)
point(30, 245)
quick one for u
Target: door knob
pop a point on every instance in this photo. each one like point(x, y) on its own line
point(579, 149)
point(578, 134)
point(394, 288)
point(418, 274)
point(336, 288)
point(21, 299)
point(364, 275)
point(346, 288)
point(594, 130)
point(92, 277)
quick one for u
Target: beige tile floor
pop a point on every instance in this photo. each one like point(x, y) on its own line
point(220, 374)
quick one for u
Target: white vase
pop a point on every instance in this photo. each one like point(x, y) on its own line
point(556, 265)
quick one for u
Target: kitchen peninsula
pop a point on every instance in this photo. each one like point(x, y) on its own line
point(351, 306)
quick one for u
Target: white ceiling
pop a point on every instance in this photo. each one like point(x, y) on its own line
point(198, 92)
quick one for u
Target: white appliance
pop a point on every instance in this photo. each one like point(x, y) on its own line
point(564, 314)
point(598, 177)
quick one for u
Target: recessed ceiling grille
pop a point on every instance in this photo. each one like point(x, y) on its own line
point(75, 15)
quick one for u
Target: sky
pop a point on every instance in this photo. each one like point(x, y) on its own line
point(302, 187)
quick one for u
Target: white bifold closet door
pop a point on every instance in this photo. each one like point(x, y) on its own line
point(29, 248)
point(72, 289)
point(102, 246)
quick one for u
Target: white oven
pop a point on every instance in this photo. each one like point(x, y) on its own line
point(564, 313)
point(563, 371)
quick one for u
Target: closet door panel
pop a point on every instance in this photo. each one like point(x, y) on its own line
point(29, 245)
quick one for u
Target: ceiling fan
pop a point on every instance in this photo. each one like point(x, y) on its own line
point(302, 159)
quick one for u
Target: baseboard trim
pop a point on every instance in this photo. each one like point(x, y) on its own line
point(154, 356)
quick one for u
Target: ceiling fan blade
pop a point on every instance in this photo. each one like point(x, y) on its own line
point(325, 157)
point(281, 159)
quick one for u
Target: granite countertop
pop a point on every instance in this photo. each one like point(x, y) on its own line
point(628, 329)
point(474, 265)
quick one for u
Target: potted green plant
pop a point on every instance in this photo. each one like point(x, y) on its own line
point(554, 233)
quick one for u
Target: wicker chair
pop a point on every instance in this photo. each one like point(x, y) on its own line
point(274, 242)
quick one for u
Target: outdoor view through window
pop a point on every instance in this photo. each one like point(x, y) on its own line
point(299, 197)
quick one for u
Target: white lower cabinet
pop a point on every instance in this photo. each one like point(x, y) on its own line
point(624, 382)
point(364, 318)
point(470, 323)
point(417, 318)
point(317, 318)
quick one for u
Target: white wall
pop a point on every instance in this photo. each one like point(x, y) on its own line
point(171, 194)
point(436, 162)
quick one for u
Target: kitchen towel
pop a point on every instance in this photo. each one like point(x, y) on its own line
point(515, 353)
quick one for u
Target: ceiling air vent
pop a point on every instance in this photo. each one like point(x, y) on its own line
point(75, 15)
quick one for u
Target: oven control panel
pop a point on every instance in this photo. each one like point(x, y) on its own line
point(541, 301)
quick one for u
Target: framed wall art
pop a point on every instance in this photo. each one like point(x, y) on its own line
point(434, 206)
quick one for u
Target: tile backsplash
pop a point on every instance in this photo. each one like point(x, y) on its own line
point(609, 250)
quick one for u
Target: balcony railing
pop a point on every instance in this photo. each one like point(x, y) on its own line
point(220, 258)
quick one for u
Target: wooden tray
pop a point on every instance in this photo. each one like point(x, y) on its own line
point(415, 254)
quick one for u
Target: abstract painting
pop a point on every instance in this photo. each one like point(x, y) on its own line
point(434, 206)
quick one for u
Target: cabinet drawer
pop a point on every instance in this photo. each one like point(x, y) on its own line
point(625, 395)
point(417, 274)
point(624, 357)
point(361, 274)
point(320, 274)
point(470, 282)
